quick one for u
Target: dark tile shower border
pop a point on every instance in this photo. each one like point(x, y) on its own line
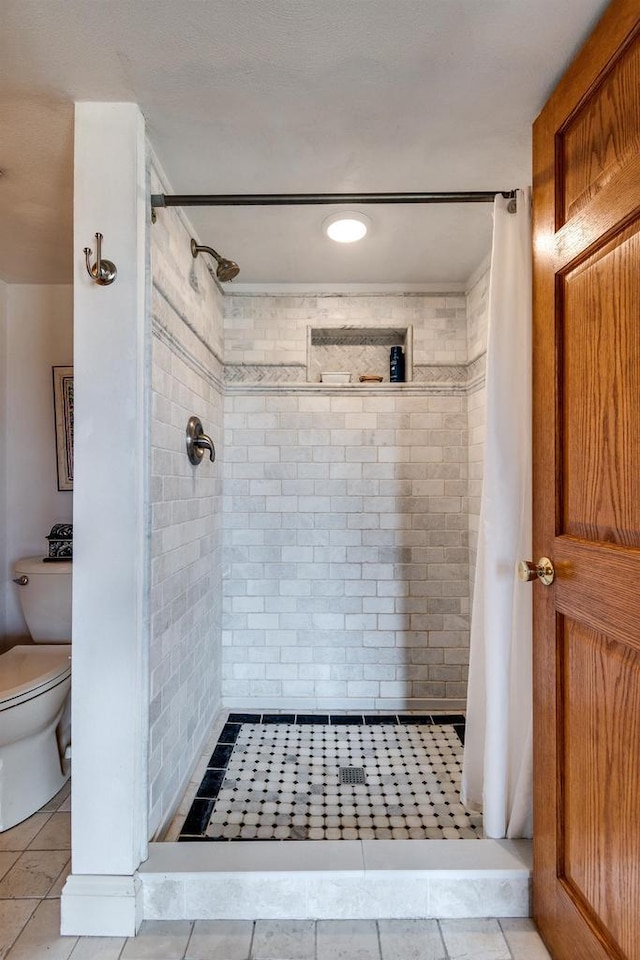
point(197, 819)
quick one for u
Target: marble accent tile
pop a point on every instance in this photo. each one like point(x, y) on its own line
point(469, 897)
point(284, 940)
point(347, 940)
point(159, 940)
point(523, 939)
point(244, 897)
point(477, 939)
point(502, 857)
point(220, 940)
point(14, 914)
point(40, 939)
point(163, 899)
point(369, 898)
point(265, 373)
point(411, 940)
point(55, 834)
point(248, 857)
point(33, 874)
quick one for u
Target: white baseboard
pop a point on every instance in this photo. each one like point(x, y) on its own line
point(100, 906)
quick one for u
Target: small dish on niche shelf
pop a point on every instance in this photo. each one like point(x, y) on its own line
point(370, 378)
point(335, 376)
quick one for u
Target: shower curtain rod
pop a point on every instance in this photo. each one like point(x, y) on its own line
point(302, 199)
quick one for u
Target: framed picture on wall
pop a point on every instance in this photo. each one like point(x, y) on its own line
point(63, 408)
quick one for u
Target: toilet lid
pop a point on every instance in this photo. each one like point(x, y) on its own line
point(32, 669)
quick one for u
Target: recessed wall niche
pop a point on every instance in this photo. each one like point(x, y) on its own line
point(358, 350)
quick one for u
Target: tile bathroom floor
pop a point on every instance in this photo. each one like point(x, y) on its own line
point(34, 863)
point(339, 777)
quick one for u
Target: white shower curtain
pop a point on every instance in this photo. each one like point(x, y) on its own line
point(497, 767)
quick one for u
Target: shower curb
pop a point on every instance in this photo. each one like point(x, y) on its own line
point(337, 880)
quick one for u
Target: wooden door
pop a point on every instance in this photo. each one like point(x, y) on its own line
point(586, 204)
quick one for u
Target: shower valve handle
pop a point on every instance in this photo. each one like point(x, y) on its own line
point(543, 570)
point(198, 442)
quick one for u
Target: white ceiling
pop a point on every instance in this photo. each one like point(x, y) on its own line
point(278, 96)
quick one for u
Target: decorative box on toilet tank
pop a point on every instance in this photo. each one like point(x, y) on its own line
point(60, 542)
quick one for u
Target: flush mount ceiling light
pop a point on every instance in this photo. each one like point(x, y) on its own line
point(347, 226)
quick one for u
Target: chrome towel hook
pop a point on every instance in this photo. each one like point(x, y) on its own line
point(103, 272)
point(198, 442)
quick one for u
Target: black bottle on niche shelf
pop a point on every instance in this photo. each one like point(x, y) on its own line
point(396, 365)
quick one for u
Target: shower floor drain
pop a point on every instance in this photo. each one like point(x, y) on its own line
point(352, 775)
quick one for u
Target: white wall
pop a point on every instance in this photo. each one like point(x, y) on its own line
point(38, 334)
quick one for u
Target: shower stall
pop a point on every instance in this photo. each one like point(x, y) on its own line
point(337, 530)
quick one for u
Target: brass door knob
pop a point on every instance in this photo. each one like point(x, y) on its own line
point(543, 570)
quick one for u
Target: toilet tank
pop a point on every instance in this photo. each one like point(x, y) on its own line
point(45, 598)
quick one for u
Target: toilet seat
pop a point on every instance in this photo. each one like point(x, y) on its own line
point(28, 671)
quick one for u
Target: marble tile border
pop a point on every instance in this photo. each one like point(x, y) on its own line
point(346, 389)
point(428, 379)
point(161, 332)
point(264, 373)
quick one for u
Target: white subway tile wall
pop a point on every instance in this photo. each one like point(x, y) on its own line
point(477, 313)
point(346, 548)
point(477, 317)
point(186, 529)
point(346, 514)
point(273, 329)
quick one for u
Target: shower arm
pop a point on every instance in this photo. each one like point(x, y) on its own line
point(197, 248)
point(227, 269)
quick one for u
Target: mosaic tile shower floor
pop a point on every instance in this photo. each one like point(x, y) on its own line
point(279, 778)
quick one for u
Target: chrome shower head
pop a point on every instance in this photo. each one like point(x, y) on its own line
point(227, 269)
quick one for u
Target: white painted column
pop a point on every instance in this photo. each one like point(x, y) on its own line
point(4, 580)
point(110, 634)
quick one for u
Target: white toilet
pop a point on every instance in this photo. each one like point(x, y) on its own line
point(35, 683)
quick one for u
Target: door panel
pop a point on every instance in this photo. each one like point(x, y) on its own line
point(598, 585)
point(602, 136)
point(600, 342)
point(601, 764)
point(586, 501)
